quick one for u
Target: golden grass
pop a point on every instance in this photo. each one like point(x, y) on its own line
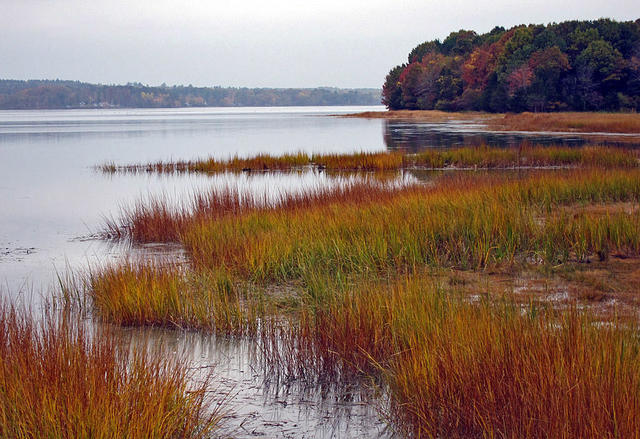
point(456, 369)
point(463, 157)
point(59, 379)
point(157, 219)
point(451, 367)
point(165, 294)
point(574, 122)
point(459, 369)
point(467, 222)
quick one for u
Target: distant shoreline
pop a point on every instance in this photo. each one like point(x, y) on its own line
point(59, 94)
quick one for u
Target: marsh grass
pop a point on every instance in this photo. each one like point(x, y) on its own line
point(60, 378)
point(479, 157)
point(159, 219)
point(491, 370)
point(465, 222)
point(459, 369)
point(524, 156)
point(367, 305)
point(580, 122)
point(586, 122)
point(167, 294)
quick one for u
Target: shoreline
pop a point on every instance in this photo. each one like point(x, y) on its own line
point(606, 124)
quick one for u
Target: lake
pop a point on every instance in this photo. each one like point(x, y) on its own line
point(54, 203)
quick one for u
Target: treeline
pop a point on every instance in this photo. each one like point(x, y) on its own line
point(574, 65)
point(44, 94)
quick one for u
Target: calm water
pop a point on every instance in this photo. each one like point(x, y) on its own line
point(52, 200)
point(52, 204)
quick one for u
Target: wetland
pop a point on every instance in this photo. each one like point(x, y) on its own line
point(282, 272)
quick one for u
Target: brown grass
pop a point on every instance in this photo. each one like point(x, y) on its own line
point(453, 365)
point(59, 379)
point(460, 369)
point(570, 122)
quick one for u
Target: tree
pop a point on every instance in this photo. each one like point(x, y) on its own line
point(520, 79)
point(392, 90)
point(580, 65)
point(600, 56)
point(459, 43)
point(418, 52)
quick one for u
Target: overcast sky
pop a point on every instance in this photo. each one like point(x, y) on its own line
point(253, 43)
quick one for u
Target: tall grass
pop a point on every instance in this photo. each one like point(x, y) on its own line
point(60, 379)
point(524, 156)
point(456, 369)
point(165, 294)
point(158, 219)
point(581, 122)
point(466, 223)
point(463, 221)
point(451, 368)
point(468, 156)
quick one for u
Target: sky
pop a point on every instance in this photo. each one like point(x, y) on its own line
point(250, 43)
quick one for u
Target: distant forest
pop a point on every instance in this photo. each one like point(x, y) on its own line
point(44, 94)
point(569, 66)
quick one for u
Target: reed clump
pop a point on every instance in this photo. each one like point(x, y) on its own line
point(464, 157)
point(167, 294)
point(58, 378)
point(361, 161)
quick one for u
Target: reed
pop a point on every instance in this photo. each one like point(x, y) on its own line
point(60, 378)
point(456, 369)
point(479, 157)
point(260, 162)
point(525, 156)
point(492, 370)
point(579, 122)
point(361, 161)
point(166, 294)
point(451, 368)
point(159, 219)
point(466, 222)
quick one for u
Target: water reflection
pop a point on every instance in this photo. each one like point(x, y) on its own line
point(416, 136)
point(260, 405)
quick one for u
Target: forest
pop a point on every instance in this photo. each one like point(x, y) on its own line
point(568, 66)
point(49, 94)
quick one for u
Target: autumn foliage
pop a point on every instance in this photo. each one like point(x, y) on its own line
point(574, 65)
